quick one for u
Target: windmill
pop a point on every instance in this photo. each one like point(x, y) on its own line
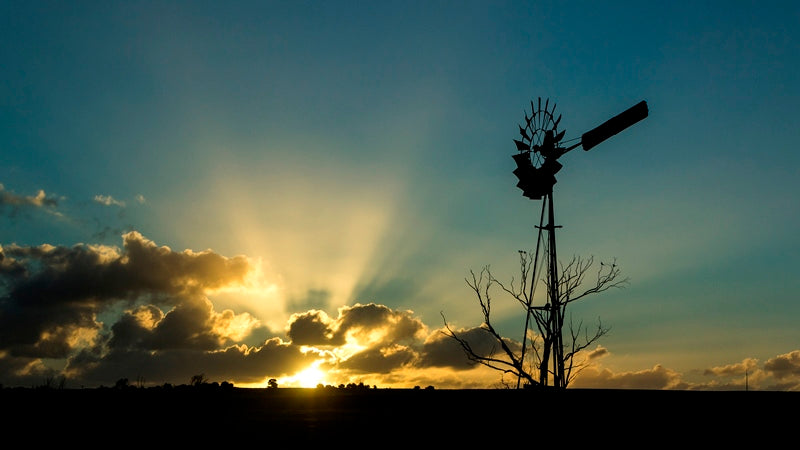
point(538, 151)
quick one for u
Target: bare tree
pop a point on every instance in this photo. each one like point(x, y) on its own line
point(543, 352)
point(198, 380)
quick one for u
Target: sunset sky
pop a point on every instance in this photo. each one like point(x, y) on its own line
point(297, 190)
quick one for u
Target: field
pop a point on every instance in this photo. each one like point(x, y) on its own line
point(284, 417)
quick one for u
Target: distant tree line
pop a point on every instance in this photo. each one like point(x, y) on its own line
point(198, 381)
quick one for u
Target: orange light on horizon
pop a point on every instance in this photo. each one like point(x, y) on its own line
point(309, 377)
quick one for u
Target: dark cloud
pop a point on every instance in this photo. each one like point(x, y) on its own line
point(395, 326)
point(166, 328)
point(357, 322)
point(132, 330)
point(311, 328)
point(160, 269)
point(51, 297)
point(389, 339)
point(188, 326)
point(273, 359)
point(381, 360)
point(192, 324)
point(441, 350)
point(94, 275)
point(51, 293)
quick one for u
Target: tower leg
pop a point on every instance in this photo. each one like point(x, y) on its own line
point(555, 304)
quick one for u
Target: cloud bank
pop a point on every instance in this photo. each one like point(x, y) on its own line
point(143, 311)
point(95, 314)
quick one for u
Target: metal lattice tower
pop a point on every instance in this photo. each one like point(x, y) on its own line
point(538, 151)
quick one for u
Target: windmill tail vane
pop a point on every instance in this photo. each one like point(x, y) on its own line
point(614, 125)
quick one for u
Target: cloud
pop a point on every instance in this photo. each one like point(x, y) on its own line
point(364, 324)
point(598, 352)
point(17, 203)
point(312, 327)
point(379, 360)
point(52, 296)
point(657, 377)
point(238, 363)
point(165, 326)
point(191, 324)
point(440, 350)
point(98, 313)
point(781, 373)
point(108, 200)
point(363, 339)
point(140, 199)
point(784, 366)
point(740, 368)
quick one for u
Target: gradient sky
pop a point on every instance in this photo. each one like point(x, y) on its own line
point(251, 189)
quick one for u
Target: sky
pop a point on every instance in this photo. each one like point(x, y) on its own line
point(299, 190)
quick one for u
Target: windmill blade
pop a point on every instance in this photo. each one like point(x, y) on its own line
point(546, 101)
point(524, 133)
point(528, 119)
point(560, 135)
point(557, 120)
point(521, 146)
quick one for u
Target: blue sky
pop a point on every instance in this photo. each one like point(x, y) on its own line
point(355, 157)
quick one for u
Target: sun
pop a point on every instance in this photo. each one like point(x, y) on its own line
point(307, 378)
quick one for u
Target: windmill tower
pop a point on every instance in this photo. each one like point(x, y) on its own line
point(538, 151)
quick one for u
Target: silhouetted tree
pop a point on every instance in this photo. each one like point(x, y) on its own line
point(543, 339)
point(198, 380)
point(272, 383)
point(53, 380)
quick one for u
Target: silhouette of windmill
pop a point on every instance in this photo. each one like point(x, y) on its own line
point(537, 164)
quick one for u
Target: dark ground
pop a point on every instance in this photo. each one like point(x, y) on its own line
point(369, 418)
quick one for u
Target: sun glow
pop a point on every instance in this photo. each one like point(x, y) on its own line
point(305, 240)
point(307, 378)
